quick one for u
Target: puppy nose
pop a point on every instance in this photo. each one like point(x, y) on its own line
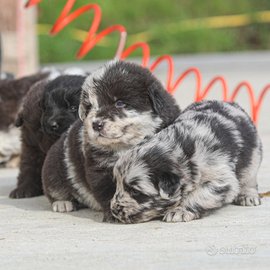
point(53, 125)
point(97, 126)
point(115, 211)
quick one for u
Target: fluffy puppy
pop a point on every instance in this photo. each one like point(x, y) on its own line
point(11, 97)
point(121, 103)
point(208, 157)
point(60, 105)
point(48, 110)
point(12, 93)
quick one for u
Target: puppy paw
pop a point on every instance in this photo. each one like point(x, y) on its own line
point(248, 200)
point(14, 162)
point(62, 206)
point(108, 217)
point(178, 214)
point(25, 192)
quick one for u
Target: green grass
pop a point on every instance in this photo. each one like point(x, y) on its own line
point(154, 16)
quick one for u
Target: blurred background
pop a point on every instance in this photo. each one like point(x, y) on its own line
point(169, 27)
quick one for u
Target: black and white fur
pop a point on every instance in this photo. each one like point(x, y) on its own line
point(208, 157)
point(121, 103)
point(12, 93)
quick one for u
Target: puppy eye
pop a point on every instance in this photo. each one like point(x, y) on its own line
point(120, 104)
point(72, 108)
point(134, 192)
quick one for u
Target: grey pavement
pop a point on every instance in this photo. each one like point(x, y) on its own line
point(233, 237)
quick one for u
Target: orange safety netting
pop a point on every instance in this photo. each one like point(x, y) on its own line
point(93, 38)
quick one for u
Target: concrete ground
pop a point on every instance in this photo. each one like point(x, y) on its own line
point(233, 237)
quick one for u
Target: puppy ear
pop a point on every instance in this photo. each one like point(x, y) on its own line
point(168, 183)
point(155, 92)
point(19, 120)
point(82, 111)
point(85, 105)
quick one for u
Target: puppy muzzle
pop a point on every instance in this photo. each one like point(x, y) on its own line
point(122, 213)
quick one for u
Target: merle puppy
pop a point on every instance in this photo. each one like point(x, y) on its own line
point(121, 103)
point(208, 157)
point(48, 110)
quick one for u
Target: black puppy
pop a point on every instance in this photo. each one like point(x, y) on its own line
point(48, 110)
point(121, 104)
point(60, 104)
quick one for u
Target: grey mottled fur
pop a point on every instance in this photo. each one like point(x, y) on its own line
point(208, 157)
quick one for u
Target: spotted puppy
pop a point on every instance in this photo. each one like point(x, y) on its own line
point(121, 103)
point(208, 157)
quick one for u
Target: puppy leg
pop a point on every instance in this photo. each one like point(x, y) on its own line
point(103, 188)
point(248, 195)
point(61, 200)
point(56, 185)
point(57, 190)
point(29, 179)
point(209, 195)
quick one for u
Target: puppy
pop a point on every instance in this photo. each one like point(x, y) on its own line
point(12, 93)
point(60, 105)
point(121, 103)
point(48, 110)
point(208, 157)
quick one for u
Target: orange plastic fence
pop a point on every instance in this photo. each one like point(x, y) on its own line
point(93, 38)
